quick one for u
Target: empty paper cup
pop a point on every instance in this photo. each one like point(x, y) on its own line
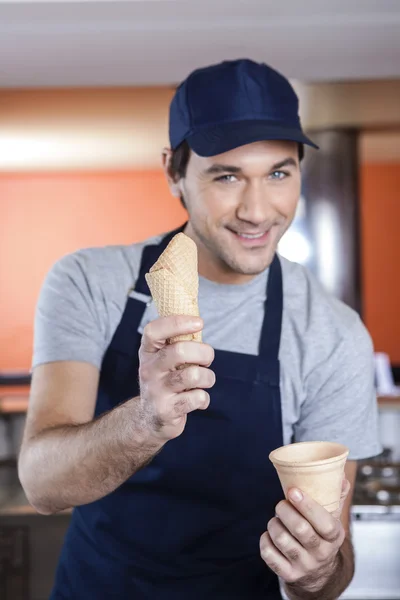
point(316, 468)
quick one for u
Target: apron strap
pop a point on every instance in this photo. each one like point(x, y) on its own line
point(272, 324)
point(138, 300)
point(149, 257)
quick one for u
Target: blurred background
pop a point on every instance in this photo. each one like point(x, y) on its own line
point(85, 88)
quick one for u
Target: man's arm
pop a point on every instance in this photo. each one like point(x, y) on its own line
point(68, 459)
point(309, 548)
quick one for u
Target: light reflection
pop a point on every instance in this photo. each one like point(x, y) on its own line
point(327, 248)
point(55, 150)
point(295, 246)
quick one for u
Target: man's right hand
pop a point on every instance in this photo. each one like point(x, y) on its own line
point(169, 393)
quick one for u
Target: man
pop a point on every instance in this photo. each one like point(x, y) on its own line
point(175, 495)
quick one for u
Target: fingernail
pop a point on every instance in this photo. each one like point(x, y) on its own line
point(295, 495)
point(197, 323)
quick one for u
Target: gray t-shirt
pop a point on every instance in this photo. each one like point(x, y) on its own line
point(326, 353)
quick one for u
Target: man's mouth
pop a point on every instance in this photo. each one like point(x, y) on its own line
point(248, 238)
point(251, 236)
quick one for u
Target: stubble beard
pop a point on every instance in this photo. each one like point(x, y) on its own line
point(228, 262)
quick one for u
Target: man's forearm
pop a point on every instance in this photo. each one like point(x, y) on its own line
point(71, 465)
point(328, 587)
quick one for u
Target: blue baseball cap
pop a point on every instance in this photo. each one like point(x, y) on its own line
point(221, 107)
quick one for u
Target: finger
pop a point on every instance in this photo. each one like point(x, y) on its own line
point(190, 378)
point(298, 526)
point(286, 543)
point(156, 333)
point(187, 402)
point(326, 525)
point(274, 558)
point(194, 353)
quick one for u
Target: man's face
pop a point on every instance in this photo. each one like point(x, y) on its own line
point(240, 203)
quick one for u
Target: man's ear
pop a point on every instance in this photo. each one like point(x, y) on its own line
point(174, 183)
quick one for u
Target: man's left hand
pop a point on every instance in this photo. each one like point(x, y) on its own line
point(303, 540)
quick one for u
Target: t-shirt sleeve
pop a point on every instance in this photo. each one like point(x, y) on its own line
point(67, 323)
point(341, 404)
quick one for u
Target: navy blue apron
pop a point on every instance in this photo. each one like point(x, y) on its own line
point(188, 525)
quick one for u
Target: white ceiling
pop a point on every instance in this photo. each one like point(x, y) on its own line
point(151, 42)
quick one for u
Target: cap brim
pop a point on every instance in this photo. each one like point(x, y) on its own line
point(222, 138)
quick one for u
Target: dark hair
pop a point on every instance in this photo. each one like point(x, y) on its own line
point(180, 160)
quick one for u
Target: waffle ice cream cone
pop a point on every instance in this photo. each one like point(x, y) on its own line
point(174, 282)
point(316, 468)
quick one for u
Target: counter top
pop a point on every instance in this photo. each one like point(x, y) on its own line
point(14, 399)
point(13, 501)
point(389, 402)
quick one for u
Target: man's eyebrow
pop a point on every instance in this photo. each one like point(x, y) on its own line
point(216, 169)
point(287, 162)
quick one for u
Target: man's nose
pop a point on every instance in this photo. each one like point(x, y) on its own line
point(255, 206)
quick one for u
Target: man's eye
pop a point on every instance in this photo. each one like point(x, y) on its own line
point(226, 179)
point(279, 175)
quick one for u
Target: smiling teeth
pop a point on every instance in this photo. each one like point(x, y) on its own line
point(251, 236)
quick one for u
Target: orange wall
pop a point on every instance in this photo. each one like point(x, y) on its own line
point(44, 216)
point(380, 226)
